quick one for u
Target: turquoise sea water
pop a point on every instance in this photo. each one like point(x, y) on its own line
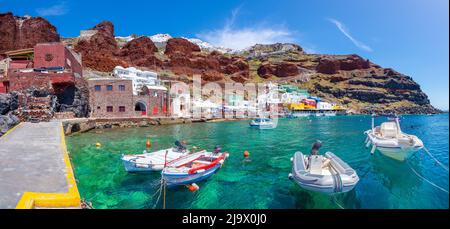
point(263, 182)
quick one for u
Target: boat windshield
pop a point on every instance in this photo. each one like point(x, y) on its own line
point(263, 120)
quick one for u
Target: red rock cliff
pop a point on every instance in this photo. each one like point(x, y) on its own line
point(24, 32)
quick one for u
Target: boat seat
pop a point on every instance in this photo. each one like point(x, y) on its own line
point(389, 130)
point(315, 164)
point(202, 162)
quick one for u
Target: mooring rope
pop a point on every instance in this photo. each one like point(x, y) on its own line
point(164, 198)
point(435, 159)
point(156, 192)
point(159, 196)
point(425, 179)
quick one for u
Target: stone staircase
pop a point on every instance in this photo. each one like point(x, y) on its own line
point(35, 109)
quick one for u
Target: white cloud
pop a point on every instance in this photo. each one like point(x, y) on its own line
point(346, 32)
point(55, 10)
point(239, 38)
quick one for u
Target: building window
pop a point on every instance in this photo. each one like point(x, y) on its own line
point(98, 88)
point(109, 87)
point(98, 108)
point(109, 109)
point(121, 87)
point(122, 109)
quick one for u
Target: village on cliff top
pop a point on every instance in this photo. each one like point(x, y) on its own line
point(98, 75)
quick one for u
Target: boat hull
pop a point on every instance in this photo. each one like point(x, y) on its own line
point(400, 154)
point(393, 148)
point(148, 162)
point(132, 167)
point(177, 179)
point(262, 126)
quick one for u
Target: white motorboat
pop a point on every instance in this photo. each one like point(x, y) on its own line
point(154, 161)
point(322, 173)
point(389, 139)
point(263, 123)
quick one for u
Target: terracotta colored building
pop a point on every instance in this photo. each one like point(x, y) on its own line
point(50, 66)
point(113, 97)
point(53, 71)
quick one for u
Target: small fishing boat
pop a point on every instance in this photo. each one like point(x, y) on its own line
point(322, 173)
point(154, 161)
point(389, 139)
point(263, 123)
point(193, 168)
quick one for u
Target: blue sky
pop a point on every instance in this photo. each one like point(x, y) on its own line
point(411, 36)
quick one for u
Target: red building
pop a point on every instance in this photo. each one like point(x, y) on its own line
point(50, 66)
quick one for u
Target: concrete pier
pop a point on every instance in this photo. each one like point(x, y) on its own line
point(32, 160)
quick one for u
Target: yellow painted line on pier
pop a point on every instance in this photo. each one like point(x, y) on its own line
point(31, 200)
point(11, 130)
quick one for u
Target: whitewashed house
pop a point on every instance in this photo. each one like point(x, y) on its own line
point(139, 78)
point(324, 106)
point(181, 101)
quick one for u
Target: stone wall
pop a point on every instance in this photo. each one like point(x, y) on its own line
point(100, 100)
point(87, 124)
point(20, 81)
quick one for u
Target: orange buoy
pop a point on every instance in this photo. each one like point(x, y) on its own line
point(148, 144)
point(184, 142)
point(193, 187)
point(246, 154)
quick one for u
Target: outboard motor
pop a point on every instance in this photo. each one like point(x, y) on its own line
point(217, 150)
point(315, 147)
point(180, 146)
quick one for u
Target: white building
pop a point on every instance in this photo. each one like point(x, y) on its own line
point(140, 78)
point(324, 106)
point(292, 97)
point(181, 100)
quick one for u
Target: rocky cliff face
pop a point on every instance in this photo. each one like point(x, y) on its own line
point(350, 80)
point(101, 51)
point(98, 52)
point(180, 56)
point(24, 32)
point(364, 86)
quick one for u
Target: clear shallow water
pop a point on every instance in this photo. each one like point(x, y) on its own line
point(263, 183)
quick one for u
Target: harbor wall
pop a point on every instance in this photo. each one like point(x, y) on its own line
point(81, 125)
